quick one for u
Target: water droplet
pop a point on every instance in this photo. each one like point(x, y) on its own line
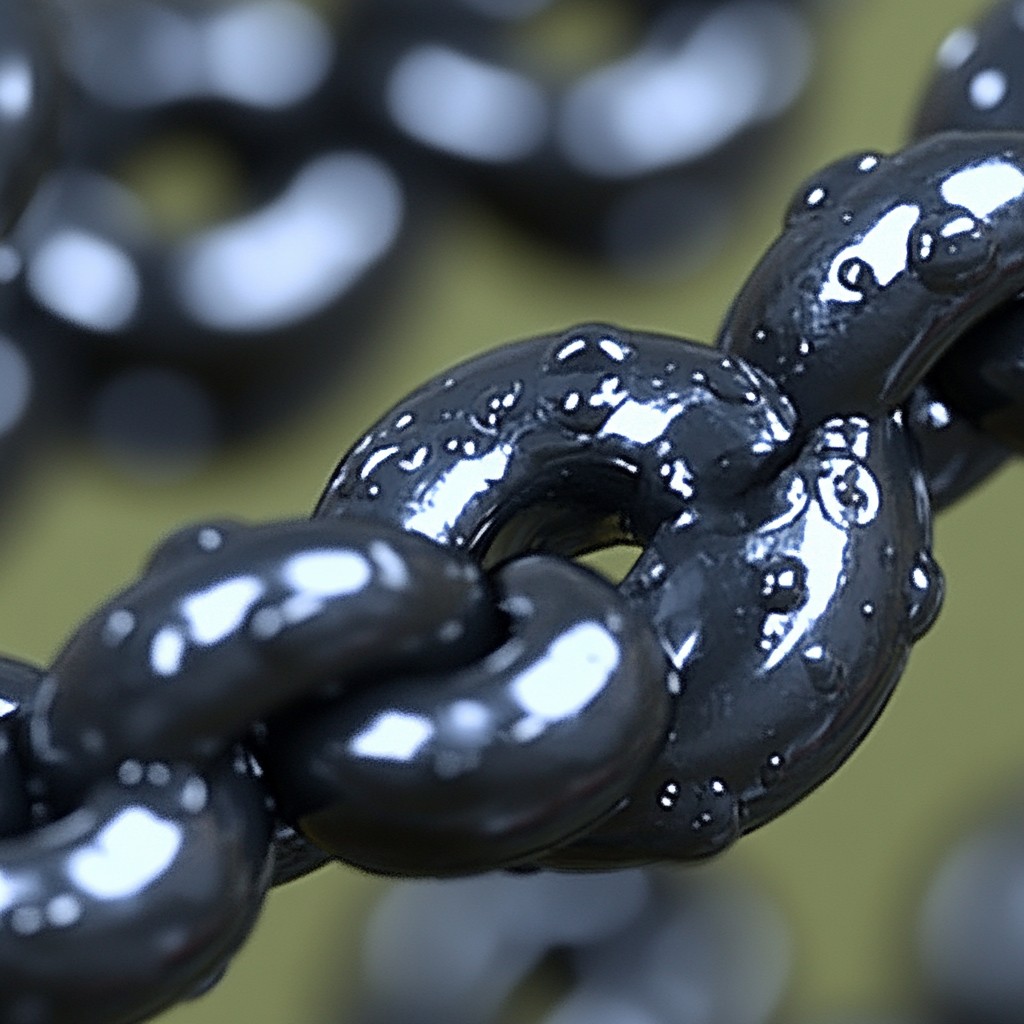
point(772, 770)
point(493, 408)
point(925, 591)
point(815, 197)
point(728, 382)
point(848, 492)
point(851, 434)
point(826, 675)
point(119, 626)
point(716, 814)
point(784, 585)
point(950, 249)
point(587, 349)
point(857, 275)
point(669, 795)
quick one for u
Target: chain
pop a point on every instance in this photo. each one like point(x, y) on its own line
point(419, 680)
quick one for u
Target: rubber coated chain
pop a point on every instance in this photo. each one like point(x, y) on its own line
point(419, 680)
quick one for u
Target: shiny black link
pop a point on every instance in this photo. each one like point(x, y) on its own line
point(789, 618)
point(230, 623)
point(141, 894)
point(134, 900)
point(956, 455)
point(484, 766)
point(884, 263)
point(978, 86)
point(787, 604)
point(567, 443)
point(28, 118)
point(978, 83)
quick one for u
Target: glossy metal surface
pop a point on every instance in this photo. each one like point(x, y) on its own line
point(978, 85)
point(230, 623)
point(567, 443)
point(28, 97)
point(460, 772)
point(631, 159)
point(786, 582)
point(789, 616)
point(884, 263)
point(956, 456)
point(132, 901)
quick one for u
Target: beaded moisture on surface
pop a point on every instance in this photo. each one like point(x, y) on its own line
point(855, 484)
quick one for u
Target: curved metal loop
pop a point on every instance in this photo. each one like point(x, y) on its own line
point(885, 266)
point(230, 623)
point(979, 86)
point(488, 765)
point(789, 623)
point(786, 603)
point(140, 894)
point(566, 443)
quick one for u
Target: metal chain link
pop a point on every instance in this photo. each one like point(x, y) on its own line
point(418, 680)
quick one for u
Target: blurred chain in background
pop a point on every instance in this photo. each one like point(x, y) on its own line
point(95, 280)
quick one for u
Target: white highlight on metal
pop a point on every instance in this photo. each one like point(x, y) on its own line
point(128, 854)
point(573, 671)
point(389, 564)
point(455, 488)
point(988, 88)
point(16, 89)
point(639, 421)
point(218, 611)
point(985, 187)
point(327, 573)
point(270, 54)
point(393, 736)
point(883, 249)
point(166, 650)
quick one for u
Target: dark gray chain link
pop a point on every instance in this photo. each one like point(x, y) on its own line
point(418, 680)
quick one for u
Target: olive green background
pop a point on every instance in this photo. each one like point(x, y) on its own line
point(848, 863)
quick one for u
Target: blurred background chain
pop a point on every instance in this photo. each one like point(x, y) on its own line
point(77, 529)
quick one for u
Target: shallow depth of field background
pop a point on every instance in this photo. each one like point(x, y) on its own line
point(848, 863)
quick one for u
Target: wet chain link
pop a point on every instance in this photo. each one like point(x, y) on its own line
point(420, 681)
